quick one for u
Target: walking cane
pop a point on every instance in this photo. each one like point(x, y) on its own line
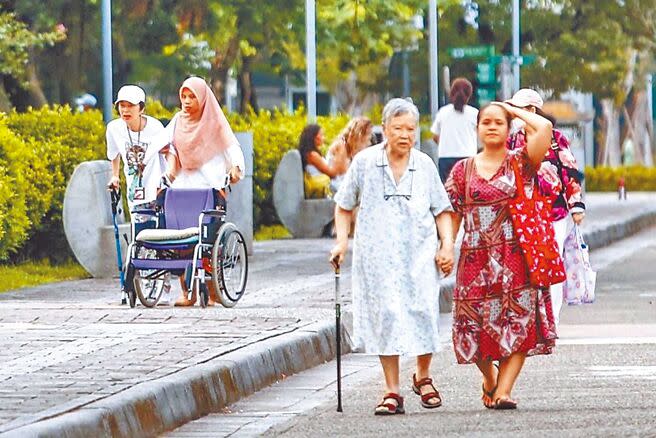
point(338, 330)
point(116, 199)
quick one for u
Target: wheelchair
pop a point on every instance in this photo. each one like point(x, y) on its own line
point(186, 234)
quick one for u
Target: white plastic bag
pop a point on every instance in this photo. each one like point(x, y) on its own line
point(579, 288)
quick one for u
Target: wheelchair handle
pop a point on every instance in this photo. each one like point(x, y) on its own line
point(115, 195)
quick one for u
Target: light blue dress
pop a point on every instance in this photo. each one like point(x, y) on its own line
point(395, 279)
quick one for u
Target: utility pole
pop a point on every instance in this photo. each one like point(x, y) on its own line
point(311, 60)
point(515, 46)
point(108, 92)
point(433, 77)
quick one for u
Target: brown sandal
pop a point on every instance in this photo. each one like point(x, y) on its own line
point(489, 395)
point(504, 403)
point(416, 387)
point(390, 408)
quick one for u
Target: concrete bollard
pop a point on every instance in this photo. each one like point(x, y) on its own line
point(87, 217)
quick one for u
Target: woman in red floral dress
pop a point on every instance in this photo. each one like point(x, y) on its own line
point(497, 314)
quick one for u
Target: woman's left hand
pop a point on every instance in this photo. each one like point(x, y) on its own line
point(235, 174)
point(444, 259)
point(578, 218)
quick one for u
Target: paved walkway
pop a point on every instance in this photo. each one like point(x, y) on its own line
point(599, 382)
point(69, 348)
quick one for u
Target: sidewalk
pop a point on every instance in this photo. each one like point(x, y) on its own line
point(74, 363)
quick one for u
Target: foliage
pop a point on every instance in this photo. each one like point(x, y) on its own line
point(605, 179)
point(274, 133)
point(58, 140)
point(35, 273)
point(270, 232)
point(16, 41)
point(14, 221)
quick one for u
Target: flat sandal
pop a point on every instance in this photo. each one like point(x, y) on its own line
point(390, 408)
point(416, 388)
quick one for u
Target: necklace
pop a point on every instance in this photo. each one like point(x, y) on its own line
point(138, 134)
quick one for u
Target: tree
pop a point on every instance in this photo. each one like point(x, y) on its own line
point(572, 40)
point(18, 44)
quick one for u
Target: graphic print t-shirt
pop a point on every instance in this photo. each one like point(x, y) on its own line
point(143, 166)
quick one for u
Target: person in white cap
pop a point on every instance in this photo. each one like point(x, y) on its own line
point(132, 139)
point(558, 178)
point(86, 102)
point(129, 139)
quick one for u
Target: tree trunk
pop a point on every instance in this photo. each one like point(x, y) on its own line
point(610, 150)
point(351, 100)
point(223, 61)
point(641, 119)
point(218, 83)
point(248, 96)
point(23, 97)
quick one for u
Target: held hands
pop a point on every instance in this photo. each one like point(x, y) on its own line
point(444, 259)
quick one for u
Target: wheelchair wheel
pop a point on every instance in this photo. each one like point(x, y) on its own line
point(149, 285)
point(229, 265)
point(132, 298)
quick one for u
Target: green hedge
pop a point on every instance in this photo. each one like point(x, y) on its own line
point(605, 179)
point(53, 141)
point(274, 133)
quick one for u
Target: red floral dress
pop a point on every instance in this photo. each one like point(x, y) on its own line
point(496, 312)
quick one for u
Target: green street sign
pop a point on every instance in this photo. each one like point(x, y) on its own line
point(486, 95)
point(486, 73)
point(471, 52)
point(521, 60)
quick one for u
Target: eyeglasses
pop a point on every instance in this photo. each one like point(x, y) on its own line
point(387, 196)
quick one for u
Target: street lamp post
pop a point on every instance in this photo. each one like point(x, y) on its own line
point(311, 60)
point(515, 45)
point(432, 47)
point(107, 58)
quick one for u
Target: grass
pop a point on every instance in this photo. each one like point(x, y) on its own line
point(35, 273)
point(270, 232)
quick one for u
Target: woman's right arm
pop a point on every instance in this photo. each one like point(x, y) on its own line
point(338, 167)
point(538, 132)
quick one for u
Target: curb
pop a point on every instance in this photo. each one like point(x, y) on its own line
point(151, 408)
point(154, 407)
point(595, 238)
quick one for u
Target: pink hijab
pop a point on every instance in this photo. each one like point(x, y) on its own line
point(201, 137)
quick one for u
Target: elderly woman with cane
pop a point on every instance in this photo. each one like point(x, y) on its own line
point(396, 253)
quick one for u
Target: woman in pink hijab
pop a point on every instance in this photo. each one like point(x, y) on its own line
point(203, 151)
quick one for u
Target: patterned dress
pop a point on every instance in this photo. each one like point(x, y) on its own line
point(559, 178)
point(394, 278)
point(496, 312)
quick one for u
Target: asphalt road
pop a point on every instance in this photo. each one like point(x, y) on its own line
point(601, 381)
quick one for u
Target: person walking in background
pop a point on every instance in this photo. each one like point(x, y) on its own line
point(355, 136)
point(204, 151)
point(454, 128)
point(85, 102)
point(558, 180)
point(317, 171)
point(497, 314)
point(396, 254)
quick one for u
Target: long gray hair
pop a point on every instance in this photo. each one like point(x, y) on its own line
point(397, 107)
